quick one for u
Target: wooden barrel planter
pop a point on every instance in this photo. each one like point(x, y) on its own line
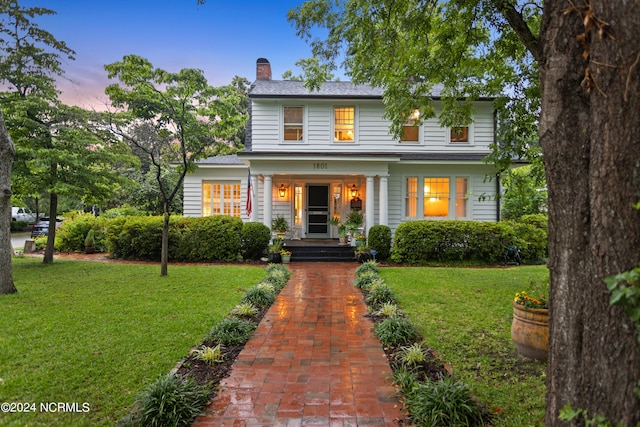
point(530, 331)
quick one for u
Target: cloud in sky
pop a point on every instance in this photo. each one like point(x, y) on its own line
point(222, 38)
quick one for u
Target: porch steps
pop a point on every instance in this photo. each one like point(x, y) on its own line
point(319, 253)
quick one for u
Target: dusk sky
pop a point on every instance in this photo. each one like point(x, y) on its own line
point(223, 38)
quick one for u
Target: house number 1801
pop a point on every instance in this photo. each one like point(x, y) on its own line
point(320, 166)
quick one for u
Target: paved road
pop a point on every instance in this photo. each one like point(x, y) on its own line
point(17, 239)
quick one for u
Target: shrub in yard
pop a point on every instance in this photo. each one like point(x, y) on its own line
point(254, 239)
point(231, 331)
point(17, 226)
point(380, 293)
point(364, 280)
point(170, 401)
point(244, 310)
point(420, 242)
point(380, 240)
point(260, 297)
point(71, 235)
point(135, 237)
point(210, 355)
point(122, 211)
point(395, 331)
point(387, 309)
point(212, 238)
point(366, 267)
point(442, 403)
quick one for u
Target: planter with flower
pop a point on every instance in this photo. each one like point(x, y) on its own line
point(530, 327)
point(274, 250)
point(285, 255)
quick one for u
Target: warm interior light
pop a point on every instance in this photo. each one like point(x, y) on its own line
point(354, 191)
point(282, 190)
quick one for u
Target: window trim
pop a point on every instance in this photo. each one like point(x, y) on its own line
point(452, 197)
point(408, 123)
point(470, 132)
point(223, 201)
point(355, 124)
point(304, 125)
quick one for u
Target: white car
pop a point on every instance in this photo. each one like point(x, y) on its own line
point(22, 214)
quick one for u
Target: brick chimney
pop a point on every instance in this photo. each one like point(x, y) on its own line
point(263, 69)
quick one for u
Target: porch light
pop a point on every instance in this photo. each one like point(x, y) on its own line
point(354, 191)
point(282, 191)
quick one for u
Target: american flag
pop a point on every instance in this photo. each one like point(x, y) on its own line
point(249, 206)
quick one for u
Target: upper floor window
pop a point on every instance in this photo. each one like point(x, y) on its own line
point(221, 198)
point(344, 124)
point(410, 130)
point(293, 128)
point(459, 134)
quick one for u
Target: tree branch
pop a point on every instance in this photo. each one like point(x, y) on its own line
point(518, 24)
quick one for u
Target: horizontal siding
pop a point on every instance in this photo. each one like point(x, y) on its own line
point(372, 129)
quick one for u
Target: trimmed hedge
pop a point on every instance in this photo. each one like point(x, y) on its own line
point(254, 239)
point(19, 226)
point(72, 233)
point(215, 238)
point(420, 242)
point(380, 241)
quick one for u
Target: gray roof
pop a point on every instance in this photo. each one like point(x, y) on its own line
point(221, 160)
point(295, 88)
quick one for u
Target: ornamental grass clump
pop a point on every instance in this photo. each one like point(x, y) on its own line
point(412, 355)
point(169, 401)
point(368, 266)
point(261, 297)
point(443, 403)
point(231, 331)
point(244, 309)
point(395, 331)
point(210, 355)
point(364, 280)
point(380, 293)
point(387, 309)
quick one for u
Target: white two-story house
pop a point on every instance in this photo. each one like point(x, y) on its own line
point(314, 156)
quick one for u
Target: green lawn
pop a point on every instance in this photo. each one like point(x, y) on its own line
point(465, 314)
point(97, 333)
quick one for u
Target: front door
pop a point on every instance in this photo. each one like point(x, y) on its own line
point(317, 211)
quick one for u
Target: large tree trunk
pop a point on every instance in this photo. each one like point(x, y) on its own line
point(7, 153)
point(590, 135)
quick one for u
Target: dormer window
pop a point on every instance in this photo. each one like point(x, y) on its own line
point(344, 124)
point(460, 134)
point(410, 130)
point(293, 128)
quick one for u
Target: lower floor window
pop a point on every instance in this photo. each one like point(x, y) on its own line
point(437, 197)
point(221, 198)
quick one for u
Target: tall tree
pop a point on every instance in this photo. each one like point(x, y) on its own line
point(7, 153)
point(59, 149)
point(578, 61)
point(173, 118)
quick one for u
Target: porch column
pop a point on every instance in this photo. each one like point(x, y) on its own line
point(370, 203)
point(266, 200)
point(383, 201)
point(255, 208)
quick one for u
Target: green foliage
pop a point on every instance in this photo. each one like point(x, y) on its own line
point(211, 355)
point(531, 232)
point(443, 403)
point(273, 268)
point(170, 401)
point(380, 241)
point(405, 378)
point(524, 193)
point(379, 293)
point(72, 234)
point(395, 331)
point(569, 414)
point(412, 355)
point(17, 226)
point(259, 296)
point(366, 267)
point(280, 224)
point(231, 331)
point(354, 219)
point(244, 309)
point(387, 310)
point(254, 239)
point(365, 279)
point(625, 293)
point(215, 238)
point(90, 240)
point(419, 242)
point(122, 211)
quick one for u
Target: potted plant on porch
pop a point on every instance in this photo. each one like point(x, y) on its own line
point(274, 250)
point(342, 230)
point(285, 255)
point(280, 225)
point(530, 327)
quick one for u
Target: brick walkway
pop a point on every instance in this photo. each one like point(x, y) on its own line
point(313, 360)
